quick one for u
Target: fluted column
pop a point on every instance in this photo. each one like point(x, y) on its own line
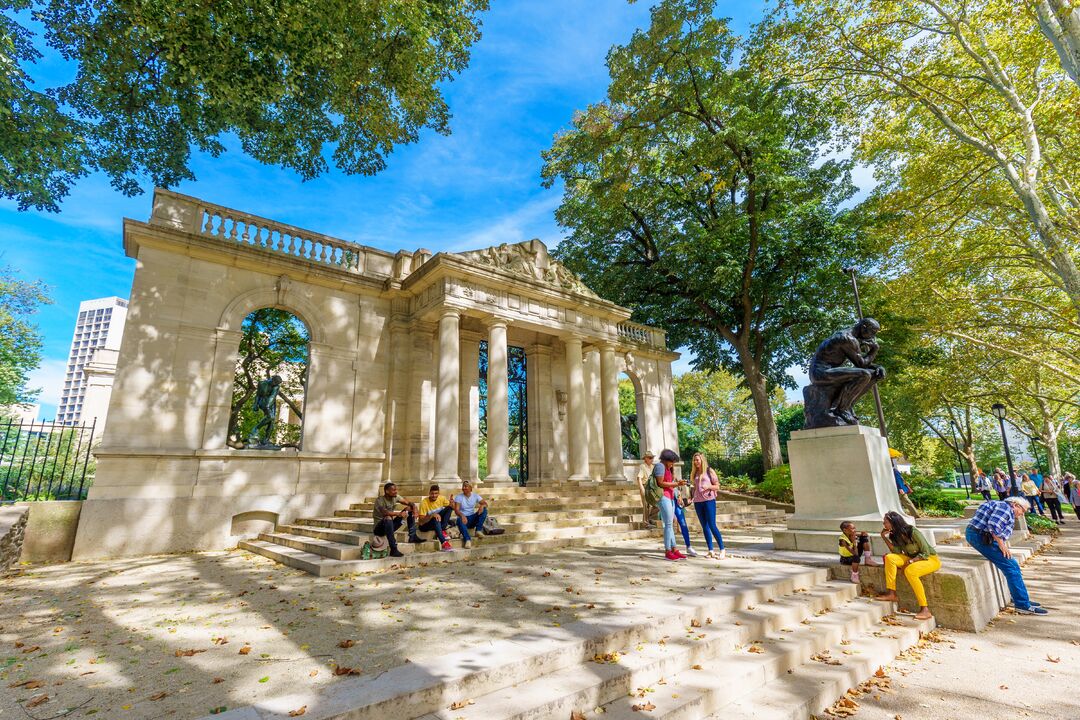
point(498, 409)
point(578, 439)
point(447, 398)
point(609, 401)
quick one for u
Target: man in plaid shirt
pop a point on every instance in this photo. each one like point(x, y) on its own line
point(989, 532)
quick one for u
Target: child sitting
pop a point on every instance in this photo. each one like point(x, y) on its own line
point(854, 546)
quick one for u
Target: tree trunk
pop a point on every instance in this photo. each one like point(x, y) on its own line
point(1060, 22)
point(1048, 433)
point(766, 423)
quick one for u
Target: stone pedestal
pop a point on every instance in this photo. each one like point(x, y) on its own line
point(840, 473)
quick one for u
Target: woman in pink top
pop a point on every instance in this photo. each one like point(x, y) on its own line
point(705, 483)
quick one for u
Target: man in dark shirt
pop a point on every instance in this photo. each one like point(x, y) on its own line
point(388, 518)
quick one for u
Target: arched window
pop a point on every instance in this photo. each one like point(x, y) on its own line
point(271, 376)
point(630, 417)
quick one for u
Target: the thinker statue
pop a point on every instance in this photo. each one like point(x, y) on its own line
point(835, 384)
point(265, 402)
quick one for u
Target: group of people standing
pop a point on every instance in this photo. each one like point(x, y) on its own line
point(1043, 492)
point(664, 495)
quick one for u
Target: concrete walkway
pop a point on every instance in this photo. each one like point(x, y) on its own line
point(1020, 667)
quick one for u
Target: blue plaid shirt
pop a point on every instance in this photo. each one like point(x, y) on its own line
point(996, 517)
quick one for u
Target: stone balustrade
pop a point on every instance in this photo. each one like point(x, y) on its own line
point(643, 334)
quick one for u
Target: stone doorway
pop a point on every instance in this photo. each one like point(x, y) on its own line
point(518, 406)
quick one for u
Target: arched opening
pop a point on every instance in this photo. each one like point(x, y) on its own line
point(267, 410)
point(631, 417)
point(518, 406)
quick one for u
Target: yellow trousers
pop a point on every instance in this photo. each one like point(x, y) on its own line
point(913, 572)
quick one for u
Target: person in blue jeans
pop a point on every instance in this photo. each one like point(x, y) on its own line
point(704, 485)
point(664, 477)
point(989, 532)
point(680, 516)
point(471, 512)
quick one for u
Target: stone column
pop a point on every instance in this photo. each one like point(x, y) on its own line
point(447, 398)
point(577, 434)
point(498, 409)
point(540, 397)
point(609, 402)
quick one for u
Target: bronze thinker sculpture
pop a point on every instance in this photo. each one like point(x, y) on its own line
point(836, 385)
point(265, 402)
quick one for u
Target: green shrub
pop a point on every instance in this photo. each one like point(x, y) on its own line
point(935, 502)
point(750, 464)
point(777, 485)
point(1041, 525)
point(740, 483)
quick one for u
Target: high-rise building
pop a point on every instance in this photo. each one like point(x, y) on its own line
point(100, 326)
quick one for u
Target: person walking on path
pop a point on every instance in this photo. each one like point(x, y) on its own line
point(908, 550)
point(664, 478)
point(644, 472)
point(1030, 491)
point(989, 532)
point(904, 490)
point(982, 485)
point(705, 484)
point(1051, 492)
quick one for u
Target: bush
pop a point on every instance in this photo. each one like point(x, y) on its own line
point(934, 501)
point(777, 485)
point(1041, 525)
point(740, 483)
point(750, 464)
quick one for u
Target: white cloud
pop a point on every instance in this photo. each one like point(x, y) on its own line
point(533, 219)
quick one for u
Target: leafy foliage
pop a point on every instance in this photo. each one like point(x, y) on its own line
point(20, 341)
point(273, 342)
point(299, 82)
point(777, 485)
point(701, 194)
point(1041, 525)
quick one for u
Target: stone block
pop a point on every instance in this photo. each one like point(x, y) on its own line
point(50, 530)
point(12, 533)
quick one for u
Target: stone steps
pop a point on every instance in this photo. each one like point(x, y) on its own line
point(322, 566)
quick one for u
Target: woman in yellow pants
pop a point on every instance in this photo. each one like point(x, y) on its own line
point(909, 550)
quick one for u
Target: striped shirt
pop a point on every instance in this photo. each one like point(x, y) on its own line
point(995, 517)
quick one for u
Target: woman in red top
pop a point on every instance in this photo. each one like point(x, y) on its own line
point(665, 479)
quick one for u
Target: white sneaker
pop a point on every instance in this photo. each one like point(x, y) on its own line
point(690, 552)
point(468, 544)
point(722, 555)
point(855, 578)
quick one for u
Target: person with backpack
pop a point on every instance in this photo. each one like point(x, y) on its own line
point(649, 509)
point(662, 483)
point(705, 485)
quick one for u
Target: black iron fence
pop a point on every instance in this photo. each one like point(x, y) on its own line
point(45, 460)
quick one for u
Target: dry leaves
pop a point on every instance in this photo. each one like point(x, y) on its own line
point(611, 658)
point(298, 711)
point(217, 681)
point(346, 644)
point(245, 650)
point(28, 684)
point(824, 657)
point(343, 670)
point(643, 707)
point(462, 703)
point(37, 700)
point(755, 648)
point(1051, 658)
point(159, 696)
point(187, 653)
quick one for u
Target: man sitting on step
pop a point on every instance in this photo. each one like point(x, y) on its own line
point(388, 518)
point(435, 512)
point(471, 510)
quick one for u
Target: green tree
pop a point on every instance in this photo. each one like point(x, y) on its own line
point(297, 81)
point(700, 194)
point(273, 342)
point(20, 341)
point(719, 405)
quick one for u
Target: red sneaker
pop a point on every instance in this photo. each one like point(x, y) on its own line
point(447, 547)
point(678, 555)
point(670, 556)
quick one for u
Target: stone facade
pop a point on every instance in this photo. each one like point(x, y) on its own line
point(12, 532)
point(392, 390)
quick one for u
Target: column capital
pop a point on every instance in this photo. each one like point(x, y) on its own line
point(573, 337)
point(491, 321)
point(449, 311)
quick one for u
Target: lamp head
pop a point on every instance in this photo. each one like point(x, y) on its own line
point(850, 270)
point(998, 410)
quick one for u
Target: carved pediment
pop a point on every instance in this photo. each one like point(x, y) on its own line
point(529, 260)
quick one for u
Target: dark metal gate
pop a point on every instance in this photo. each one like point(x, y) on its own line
point(45, 460)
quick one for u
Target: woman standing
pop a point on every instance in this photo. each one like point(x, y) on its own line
point(1074, 494)
point(909, 550)
point(665, 480)
point(1030, 491)
point(1050, 491)
point(705, 484)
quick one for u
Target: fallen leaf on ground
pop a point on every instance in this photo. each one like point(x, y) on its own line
point(159, 695)
point(298, 711)
point(188, 653)
point(695, 667)
point(220, 640)
point(217, 680)
point(37, 700)
point(342, 670)
point(244, 650)
point(644, 707)
point(346, 644)
point(462, 703)
point(756, 649)
point(1053, 659)
point(28, 684)
point(31, 649)
point(313, 673)
point(577, 715)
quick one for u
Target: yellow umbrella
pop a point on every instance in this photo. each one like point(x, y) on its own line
point(893, 453)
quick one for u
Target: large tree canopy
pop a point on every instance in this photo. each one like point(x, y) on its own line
point(20, 341)
point(297, 81)
point(701, 194)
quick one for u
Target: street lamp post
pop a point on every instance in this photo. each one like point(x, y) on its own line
point(999, 412)
point(959, 459)
point(1033, 440)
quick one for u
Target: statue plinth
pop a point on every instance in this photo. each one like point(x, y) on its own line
point(837, 474)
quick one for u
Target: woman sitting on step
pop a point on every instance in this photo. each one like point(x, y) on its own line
point(909, 550)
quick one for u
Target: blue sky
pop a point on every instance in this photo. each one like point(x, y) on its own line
point(536, 64)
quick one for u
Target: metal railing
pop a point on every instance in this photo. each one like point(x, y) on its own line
point(45, 460)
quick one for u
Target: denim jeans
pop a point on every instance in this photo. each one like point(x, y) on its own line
point(1036, 504)
point(474, 521)
point(1008, 567)
point(389, 526)
point(667, 516)
point(706, 515)
point(681, 518)
point(437, 523)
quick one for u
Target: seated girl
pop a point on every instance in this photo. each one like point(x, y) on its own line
point(854, 546)
point(909, 550)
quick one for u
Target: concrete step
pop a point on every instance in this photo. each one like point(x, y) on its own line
point(528, 504)
point(658, 665)
point(525, 524)
point(322, 566)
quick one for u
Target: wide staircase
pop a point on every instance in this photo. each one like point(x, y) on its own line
point(535, 519)
point(783, 644)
